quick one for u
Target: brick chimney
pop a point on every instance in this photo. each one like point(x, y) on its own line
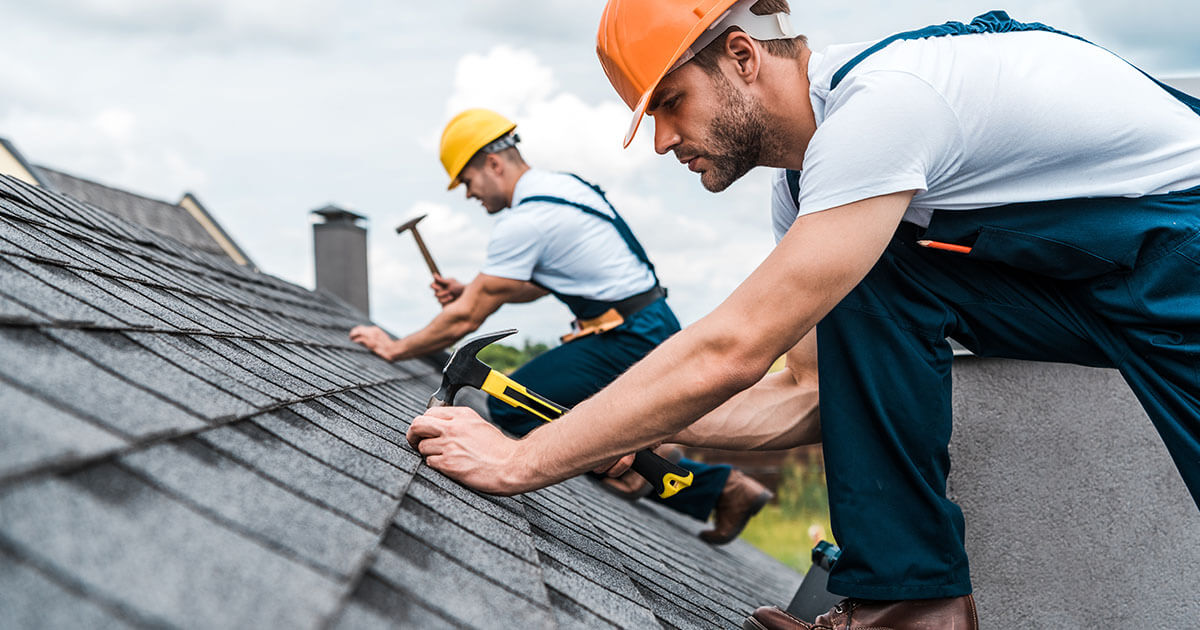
point(340, 255)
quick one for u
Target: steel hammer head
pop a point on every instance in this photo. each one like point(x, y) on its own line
point(464, 369)
point(409, 224)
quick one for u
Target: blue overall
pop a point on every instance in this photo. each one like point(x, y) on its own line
point(572, 372)
point(1105, 282)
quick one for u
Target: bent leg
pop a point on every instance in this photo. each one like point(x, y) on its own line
point(885, 406)
point(1157, 310)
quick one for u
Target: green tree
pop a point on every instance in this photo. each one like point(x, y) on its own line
point(508, 358)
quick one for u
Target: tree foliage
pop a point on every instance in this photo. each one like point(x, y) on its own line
point(507, 358)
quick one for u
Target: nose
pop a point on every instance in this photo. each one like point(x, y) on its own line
point(665, 136)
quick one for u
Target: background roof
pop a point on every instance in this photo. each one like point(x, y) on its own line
point(191, 443)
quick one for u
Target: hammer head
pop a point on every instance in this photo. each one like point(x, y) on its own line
point(464, 369)
point(409, 224)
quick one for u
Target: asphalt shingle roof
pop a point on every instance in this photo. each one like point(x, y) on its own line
point(167, 219)
point(190, 443)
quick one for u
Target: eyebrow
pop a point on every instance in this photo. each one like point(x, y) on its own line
point(657, 99)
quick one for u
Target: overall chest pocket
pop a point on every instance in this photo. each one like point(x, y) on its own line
point(1041, 255)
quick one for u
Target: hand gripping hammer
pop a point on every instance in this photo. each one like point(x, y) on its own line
point(465, 369)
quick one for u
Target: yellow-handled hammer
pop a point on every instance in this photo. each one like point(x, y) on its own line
point(465, 369)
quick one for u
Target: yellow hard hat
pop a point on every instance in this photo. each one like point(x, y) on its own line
point(466, 134)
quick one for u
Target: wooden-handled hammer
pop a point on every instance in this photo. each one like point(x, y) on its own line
point(464, 369)
point(411, 224)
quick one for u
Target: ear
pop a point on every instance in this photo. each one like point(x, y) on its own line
point(744, 54)
point(493, 164)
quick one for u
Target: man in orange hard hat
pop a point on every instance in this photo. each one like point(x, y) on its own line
point(1004, 184)
point(558, 234)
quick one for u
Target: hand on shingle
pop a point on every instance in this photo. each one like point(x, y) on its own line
point(374, 339)
point(460, 444)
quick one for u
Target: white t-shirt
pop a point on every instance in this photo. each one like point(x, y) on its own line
point(983, 120)
point(561, 247)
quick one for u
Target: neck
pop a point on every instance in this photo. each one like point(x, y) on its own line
point(790, 111)
point(510, 182)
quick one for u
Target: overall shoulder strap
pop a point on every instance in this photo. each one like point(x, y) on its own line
point(616, 220)
point(991, 22)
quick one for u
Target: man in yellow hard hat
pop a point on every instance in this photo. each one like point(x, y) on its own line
point(1001, 183)
point(558, 234)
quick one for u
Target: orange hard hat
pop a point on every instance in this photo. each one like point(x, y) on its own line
point(641, 41)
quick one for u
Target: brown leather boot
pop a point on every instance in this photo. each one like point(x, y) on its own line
point(952, 613)
point(741, 498)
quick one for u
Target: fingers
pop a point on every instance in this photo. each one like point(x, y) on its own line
point(423, 427)
point(616, 468)
point(433, 423)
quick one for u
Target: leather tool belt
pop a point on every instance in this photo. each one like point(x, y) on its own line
point(614, 316)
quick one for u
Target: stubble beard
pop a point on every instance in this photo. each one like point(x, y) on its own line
point(736, 138)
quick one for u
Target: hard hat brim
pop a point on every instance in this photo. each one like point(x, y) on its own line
point(702, 25)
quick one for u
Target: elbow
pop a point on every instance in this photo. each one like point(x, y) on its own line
point(460, 322)
point(733, 363)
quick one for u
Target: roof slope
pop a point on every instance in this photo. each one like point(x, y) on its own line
point(167, 219)
point(189, 443)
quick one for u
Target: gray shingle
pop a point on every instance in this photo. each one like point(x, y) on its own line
point(476, 548)
point(39, 364)
point(375, 440)
point(14, 312)
point(500, 527)
point(382, 474)
point(162, 346)
point(114, 299)
point(442, 584)
point(119, 354)
point(234, 352)
point(377, 605)
point(35, 432)
point(233, 492)
point(192, 347)
point(17, 240)
point(132, 544)
point(19, 277)
point(303, 473)
point(29, 599)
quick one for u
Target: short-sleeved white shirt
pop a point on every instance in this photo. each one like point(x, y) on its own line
point(982, 120)
point(561, 247)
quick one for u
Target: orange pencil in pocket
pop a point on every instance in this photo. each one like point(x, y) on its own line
point(949, 247)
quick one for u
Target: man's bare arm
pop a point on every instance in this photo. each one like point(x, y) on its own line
point(817, 263)
point(482, 297)
point(779, 411)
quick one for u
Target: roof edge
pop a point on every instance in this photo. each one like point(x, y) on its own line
point(190, 203)
point(30, 174)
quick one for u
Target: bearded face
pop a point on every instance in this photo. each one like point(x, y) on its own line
point(735, 137)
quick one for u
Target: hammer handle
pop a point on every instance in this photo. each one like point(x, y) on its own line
point(425, 251)
point(666, 477)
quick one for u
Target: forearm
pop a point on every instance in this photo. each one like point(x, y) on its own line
point(780, 411)
point(446, 328)
point(687, 376)
point(776, 413)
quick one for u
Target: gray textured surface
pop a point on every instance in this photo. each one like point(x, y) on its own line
point(162, 217)
point(1075, 514)
point(189, 443)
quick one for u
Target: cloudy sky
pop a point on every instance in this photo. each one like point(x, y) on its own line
point(267, 109)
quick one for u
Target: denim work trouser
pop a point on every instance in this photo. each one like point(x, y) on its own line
point(1106, 282)
point(570, 373)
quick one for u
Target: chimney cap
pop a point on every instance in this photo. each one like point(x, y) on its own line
point(337, 214)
